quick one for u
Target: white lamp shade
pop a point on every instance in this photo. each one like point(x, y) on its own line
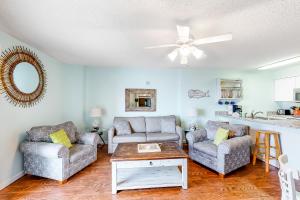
point(95, 112)
point(193, 112)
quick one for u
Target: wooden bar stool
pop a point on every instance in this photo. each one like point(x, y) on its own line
point(265, 146)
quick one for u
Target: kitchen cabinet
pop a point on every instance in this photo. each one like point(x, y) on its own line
point(284, 89)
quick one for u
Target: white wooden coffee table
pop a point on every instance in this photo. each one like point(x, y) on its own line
point(133, 170)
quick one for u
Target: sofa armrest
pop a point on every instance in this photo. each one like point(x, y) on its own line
point(44, 149)
point(111, 133)
point(196, 136)
point(234, 144)
point(87, 138)
point(179, 132)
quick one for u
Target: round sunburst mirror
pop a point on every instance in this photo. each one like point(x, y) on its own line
point(22, 76)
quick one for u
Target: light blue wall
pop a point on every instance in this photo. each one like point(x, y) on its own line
point(15, 121)
point(74, 86)
point(105, 88)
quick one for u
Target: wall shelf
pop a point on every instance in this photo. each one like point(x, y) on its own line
point(229, 89)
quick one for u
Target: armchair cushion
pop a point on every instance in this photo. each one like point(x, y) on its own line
point(233, 144)
point(41, 133)
point(162, 137)
point(207, 147)
point(87, 138)
point(237, 129)
point(212, 127)
point(196, 136)
point(48, 150)
point(80, 151)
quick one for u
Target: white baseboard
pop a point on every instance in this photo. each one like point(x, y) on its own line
point(9, 181)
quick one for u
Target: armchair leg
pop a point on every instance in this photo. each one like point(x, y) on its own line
point(221, 175)
point(63, 182)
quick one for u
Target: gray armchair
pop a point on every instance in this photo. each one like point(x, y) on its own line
point(55, 161)
point(227, 156)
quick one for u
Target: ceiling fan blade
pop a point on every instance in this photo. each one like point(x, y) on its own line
point(213, 39)
point(161, 46)
point(183, 33)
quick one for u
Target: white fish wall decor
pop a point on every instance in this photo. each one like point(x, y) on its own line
point(197, 94)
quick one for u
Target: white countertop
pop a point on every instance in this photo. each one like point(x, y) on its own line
point(280, 121)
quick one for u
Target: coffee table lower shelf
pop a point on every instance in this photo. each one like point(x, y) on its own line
point(137, 178)
point(137, 175)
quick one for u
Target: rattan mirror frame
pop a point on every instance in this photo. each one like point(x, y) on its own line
point(8, 62)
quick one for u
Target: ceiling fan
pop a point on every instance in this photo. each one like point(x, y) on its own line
point(186, 46)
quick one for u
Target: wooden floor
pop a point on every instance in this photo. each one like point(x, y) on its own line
point(94, 182)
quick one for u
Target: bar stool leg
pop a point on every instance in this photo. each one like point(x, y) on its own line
point(277, 145)
point(267, 151)
point(257, 136)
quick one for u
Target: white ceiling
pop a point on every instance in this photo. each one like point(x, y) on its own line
point(112, 33)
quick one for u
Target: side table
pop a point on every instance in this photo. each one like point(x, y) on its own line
point(100, 133)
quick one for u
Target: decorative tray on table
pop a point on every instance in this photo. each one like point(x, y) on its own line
point(149, 148)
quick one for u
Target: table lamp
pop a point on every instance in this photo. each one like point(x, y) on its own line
point(193, 113)
point(95, 114)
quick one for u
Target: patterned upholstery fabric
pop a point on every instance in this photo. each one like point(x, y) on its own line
point(168, 124)
point(153, 124)
point(224, 158)
point(142, 126)
point(212, 127)
point(41, 133)
point(122, 127)
point(159, 137)
point(137, 123)
point(207, 147)
point(55, 161)
point(134, 137)
point(80, 151)
point(237, 129)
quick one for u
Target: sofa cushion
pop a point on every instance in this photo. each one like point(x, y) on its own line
point(237, 130)
point(168, 124)
point(122, 127)
point(134, 137)
point(159, 137)
point(153, 124)
point(80, 151)
point(207, 147)
point(41, 133)
point(212, 127)
point(137, 123)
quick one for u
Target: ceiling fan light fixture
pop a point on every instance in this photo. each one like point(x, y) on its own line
point(197, 53)
point(185, 50)
point(172, 56)
point(184, 60)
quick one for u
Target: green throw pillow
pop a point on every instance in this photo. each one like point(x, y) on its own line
point(61, 137)
point(221, 135)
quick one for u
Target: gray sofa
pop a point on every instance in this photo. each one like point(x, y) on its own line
point(231, 154)
point(55, 161)
point(145, 129)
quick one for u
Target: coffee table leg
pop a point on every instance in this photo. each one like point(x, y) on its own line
point(114, 178)
point(184, 174)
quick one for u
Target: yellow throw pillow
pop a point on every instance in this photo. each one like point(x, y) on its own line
point(221, 135)
point(61, 137)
